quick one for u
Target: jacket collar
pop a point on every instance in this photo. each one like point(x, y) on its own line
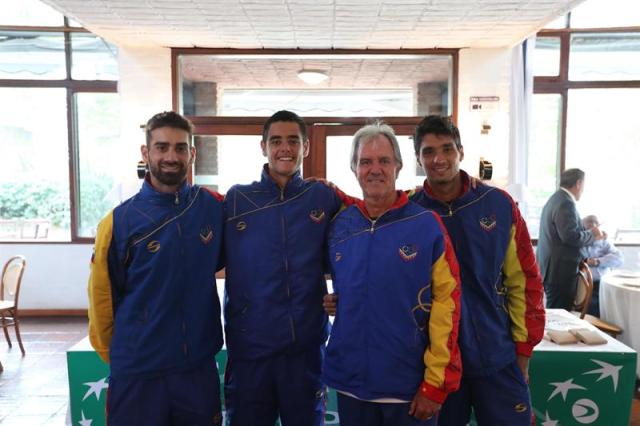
point(573, 198)
point(179, 197)
point(464, 177)
point(292, 187)
point(401, 200)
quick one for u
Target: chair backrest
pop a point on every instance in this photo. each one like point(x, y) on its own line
point(11, 279)
point(584, 291)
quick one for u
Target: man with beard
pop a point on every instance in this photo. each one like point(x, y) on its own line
point(154, 313)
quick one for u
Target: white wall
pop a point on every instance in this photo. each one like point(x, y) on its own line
point(56, 274)
point(485, 72)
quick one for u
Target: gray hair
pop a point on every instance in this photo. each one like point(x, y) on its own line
point(369, 132)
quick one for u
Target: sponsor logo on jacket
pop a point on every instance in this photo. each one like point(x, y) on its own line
point(153, 246)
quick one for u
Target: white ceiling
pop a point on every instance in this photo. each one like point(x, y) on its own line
point(314, 24)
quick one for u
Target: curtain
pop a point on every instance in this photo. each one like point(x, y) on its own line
point(521, 97)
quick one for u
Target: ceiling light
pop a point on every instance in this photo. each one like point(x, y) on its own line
point(312, 76)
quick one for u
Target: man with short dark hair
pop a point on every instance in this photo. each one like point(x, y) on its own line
point(502, 316)
point(154, 312)
point(562, 241)
point(274, 321)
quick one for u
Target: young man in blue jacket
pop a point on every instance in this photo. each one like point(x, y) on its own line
point(393, 354)
point(154, 312)
point(502, 315)
point(275, 326)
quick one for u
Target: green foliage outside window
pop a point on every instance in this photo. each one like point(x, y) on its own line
point(28, 200)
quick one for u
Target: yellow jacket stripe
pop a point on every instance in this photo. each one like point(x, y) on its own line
point(100, 298)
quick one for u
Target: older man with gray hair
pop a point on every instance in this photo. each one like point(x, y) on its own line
point(601, 256)
point(393, 355)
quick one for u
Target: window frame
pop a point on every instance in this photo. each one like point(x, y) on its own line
point(72, 87)
point(315, 163)
point(561, 84)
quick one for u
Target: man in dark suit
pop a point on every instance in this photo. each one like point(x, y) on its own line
point(562, 241)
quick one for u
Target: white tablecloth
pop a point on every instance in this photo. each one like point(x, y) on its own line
point(620, 305)
point(561, 320)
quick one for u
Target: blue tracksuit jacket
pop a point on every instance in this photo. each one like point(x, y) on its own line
point(502, 313)
point(274, 245)
point(154, 308)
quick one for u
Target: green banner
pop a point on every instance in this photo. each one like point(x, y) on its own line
point(586, 388)
point(88, 376)
point(569, 386)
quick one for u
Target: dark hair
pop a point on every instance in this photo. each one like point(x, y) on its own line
point(435, 125)
point(570, 177)
point(284, 115)
point(168, 119)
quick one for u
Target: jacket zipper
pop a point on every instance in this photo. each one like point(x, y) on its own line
point(286, 269)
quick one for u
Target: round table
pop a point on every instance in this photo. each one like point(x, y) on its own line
point(620, 305)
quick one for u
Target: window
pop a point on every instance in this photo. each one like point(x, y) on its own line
point(355, 84)
point(543, 155)
point(217, 167)
point(608, 150)
point(58, 125)
point(229, 94)
point(34, 193)
point(605, 56)
point(32, 55)
point(98, 133)
point(585, 115)
point(547, 56)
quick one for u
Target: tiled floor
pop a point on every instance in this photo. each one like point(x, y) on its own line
point(34, 389)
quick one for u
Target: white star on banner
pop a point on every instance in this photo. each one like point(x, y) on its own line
point(563, 388)
point(95, 388)
point(84, 421)
point(547, 421)
point(607, 370)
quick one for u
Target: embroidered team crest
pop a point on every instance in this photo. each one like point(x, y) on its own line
point(408, 253)
point(206, 235)
point(488, 223)
point(338, 256)
point(241, 226)
point(317, 215)
point(153, 246)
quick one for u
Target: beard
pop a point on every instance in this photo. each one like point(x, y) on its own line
point(168, 178)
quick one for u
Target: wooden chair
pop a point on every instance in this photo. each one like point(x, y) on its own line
point(9, 294)
point(583, 298)
point(584, 292)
